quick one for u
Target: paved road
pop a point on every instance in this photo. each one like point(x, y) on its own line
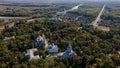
point(73, 8)
point(95, 23)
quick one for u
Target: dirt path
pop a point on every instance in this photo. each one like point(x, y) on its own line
point(34, 19)
point(3, 17)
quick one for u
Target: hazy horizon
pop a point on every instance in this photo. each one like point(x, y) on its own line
point(54, 1)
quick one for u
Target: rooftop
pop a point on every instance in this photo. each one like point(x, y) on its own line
point(69, 52)
point(53, 48)
point(40, 41)
point(9, 38)
point(30, 52)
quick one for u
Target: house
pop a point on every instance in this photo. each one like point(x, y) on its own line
point(30, 52)
point(53, 49)
point(9, 38)
point(40, 41)
point(69, 52)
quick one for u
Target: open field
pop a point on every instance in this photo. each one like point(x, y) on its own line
point(103, 28)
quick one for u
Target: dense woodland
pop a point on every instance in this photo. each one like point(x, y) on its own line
point(94, 48)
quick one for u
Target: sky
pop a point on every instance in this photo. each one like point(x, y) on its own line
point(56, 0)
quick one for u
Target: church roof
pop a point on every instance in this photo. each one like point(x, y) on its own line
point(68, 52)
point(69, 47)
point(40, 41)
point(53, 48)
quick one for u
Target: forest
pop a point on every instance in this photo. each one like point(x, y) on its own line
point(94, 48)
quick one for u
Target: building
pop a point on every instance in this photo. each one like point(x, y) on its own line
point(40, 31)
point(9, 38)
point(6, 20)
point(40, 41)
point(119, 52)
point(10, 25)
point(68, 53)
point(30, 52)
point(17, 23)
point(53, 49)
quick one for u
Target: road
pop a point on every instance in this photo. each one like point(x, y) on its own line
point(73, 8)
point(95, 23)
point(29, 20)
point(3, 17)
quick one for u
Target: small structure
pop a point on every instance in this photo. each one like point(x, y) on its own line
point(30, 52)
point(40, 31)
point(119, 52)
point(17, 23)
point(53, 49)
point(69, 52)
point(11, 25)
point(6, 20)
point(91, 26)
point(40, 41)
point(9, 38)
